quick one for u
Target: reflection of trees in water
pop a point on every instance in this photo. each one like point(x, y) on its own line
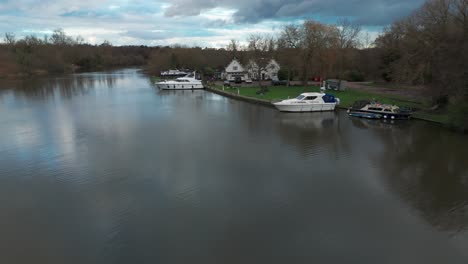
point(428, 168)
point(38, 230)
point(151, 83)
point(311, 130)
point(47, 88)
point(377, 123)
point(64, 87)
point(308, 132)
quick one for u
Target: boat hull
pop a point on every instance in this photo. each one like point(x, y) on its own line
point(305, 107)
point(365, 115)
point(377, 115)
point(179, 86)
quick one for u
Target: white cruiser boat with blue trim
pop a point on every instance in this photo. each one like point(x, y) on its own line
point(309, 102)
point(188, 82)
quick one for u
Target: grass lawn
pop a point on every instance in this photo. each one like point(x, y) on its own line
point(383, 85)
point(274, 93)
point(347, 98)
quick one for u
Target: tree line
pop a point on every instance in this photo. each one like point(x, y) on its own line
point(305, 51)
point(60, 53)
point(430, 48)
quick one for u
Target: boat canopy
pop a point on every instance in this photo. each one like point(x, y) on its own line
point(329, 98)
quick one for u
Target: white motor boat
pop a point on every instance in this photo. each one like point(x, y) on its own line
point(188, 82)
point(309, 102)
point(173, 73)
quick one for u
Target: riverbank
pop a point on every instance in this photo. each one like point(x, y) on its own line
point(277, 93)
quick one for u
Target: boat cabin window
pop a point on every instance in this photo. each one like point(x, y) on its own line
point(375, 108)
point(300, 97)
point(388, 110)
point(311, 98)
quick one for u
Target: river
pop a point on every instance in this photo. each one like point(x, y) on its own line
point(105, 168)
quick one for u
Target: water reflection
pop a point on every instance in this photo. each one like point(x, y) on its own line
point(64, 87)
point(377, 124)
point(115, 171)
point(41, 233)
point(427, 168)
point(314, 133)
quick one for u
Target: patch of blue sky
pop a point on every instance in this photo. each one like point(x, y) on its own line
point(373, 28)
point(232, 26)
point(143, 9)
point(197, 33)
point(12, 12)
point(115, 11)
point(136, 7)
point(103, 13)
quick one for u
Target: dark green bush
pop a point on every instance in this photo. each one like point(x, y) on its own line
point(354, 76)
point(458, 114)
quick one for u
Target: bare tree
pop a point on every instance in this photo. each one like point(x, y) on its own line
point(60, 38)
point(348, 39)
point(366, 41)
point(79, 40)
point(318, 44)
point(9, 38)
point(260, 49)
point(289, 43)
point(290, 36)
point(233, 47)
point(348, 34)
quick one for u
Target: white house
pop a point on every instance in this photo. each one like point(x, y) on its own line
point(235, 70)
point(270, 72)
point(250, 71)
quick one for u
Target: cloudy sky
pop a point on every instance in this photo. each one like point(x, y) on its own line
point(210, 23)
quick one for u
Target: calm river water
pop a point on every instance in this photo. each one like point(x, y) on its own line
point(105, 168)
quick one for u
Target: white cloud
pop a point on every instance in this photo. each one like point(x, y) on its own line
point(139, 22)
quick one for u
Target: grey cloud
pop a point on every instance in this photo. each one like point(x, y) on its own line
point(190, 8)
point(366, 12)
point(147, 34)
point(218, 23)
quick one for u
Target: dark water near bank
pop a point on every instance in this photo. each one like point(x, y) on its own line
point(104, 168)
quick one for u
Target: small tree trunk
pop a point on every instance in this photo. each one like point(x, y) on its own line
point(259, 76)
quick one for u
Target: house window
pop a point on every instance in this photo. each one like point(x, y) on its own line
point(235, 68)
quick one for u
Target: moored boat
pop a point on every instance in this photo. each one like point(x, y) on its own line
point(188, 82)
point(173, 73)
point(376, 110)
point(365, 115)
point(308, 102)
